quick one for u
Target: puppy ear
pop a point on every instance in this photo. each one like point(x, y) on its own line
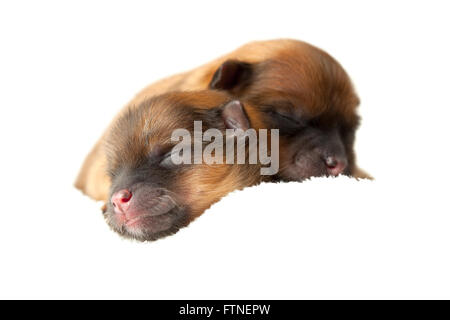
point(234, 116)
point(230, 75)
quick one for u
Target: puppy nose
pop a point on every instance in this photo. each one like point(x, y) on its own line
point(121, 200)
point(335, 165)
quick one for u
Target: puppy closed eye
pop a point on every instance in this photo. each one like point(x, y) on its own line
point(161, 155)
point(167, 161)
point(175, 159)
point(285, 118)
point(284, 122)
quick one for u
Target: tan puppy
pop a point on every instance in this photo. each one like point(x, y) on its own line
point(147, 195)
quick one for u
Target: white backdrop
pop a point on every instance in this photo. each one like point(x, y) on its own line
point(67, 68)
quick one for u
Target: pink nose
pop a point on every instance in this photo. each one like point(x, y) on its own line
point(121, 200)
point(334, 165)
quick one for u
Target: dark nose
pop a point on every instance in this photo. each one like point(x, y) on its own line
point(121, 200)
point(335, 165)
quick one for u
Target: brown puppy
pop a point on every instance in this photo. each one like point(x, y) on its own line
point(148, 195)
point(299, 89)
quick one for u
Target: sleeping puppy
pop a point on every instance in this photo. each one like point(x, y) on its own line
point(131, 168)
point(299, 89)
point(307, 95)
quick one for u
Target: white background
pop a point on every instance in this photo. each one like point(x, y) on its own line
point(67, 67)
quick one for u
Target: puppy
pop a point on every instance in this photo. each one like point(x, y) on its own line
point(300, 90)
point(147, 195)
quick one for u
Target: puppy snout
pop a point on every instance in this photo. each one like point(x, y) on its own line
point(121, 200)
point(335, 165)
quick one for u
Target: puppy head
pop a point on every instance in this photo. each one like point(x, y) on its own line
point(151, 196)
point(305, 93)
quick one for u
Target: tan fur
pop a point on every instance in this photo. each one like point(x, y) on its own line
point(92, 179)
point(291, 76)
point(137, 140)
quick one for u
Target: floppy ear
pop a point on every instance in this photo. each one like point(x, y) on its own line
point(230, 75)
point(234, 116)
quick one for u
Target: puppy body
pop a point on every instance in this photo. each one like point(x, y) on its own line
point(200, 77)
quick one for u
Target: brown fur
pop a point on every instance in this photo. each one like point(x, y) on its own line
point(307, 81)
point(287, 70)
point(133, 147)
